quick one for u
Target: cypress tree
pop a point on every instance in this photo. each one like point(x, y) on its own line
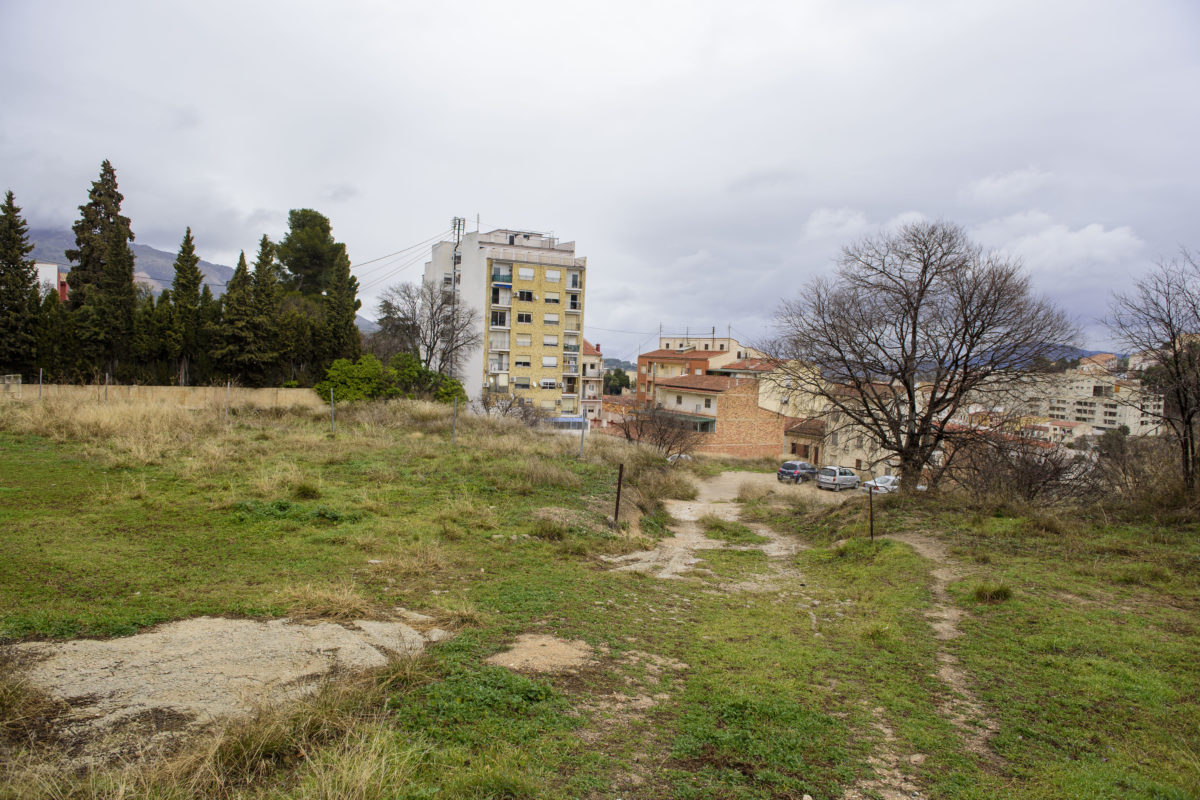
point(101, 281)
point(342, 339)
point(207, 335)
point(57, 350)
point(185, 294)
point(266, 289)
point(19, 301)
point(234, 348)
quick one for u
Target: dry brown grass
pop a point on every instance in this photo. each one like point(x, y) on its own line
point(338, 601)
point(421, 559)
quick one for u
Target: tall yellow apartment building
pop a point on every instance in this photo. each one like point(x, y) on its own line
point(529, 291)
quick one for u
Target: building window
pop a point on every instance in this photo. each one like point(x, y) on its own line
point(552, 276)
point(706, 346)
point(643, 369)
point(549, 361)
point(833, 440)
point(708, 402)
point(522, 361)
point(550, 340)
point(858, 463)
point(524, 318)
point(699, 372)
point(524, 340)
point(722, 347)
point(499, 319)
point(552, 297)
point(525, 273)
point(524, 296)
point(678, 399)
point(520, 383)
point(550, 319)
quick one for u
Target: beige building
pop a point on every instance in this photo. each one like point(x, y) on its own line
point(1102, 401)
point(529, 290)
point(591, 377)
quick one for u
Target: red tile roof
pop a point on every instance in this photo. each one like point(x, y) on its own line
point(808, 427)
point(700, 383)
point(590, 349)
point(682, 355)
point(750, 365)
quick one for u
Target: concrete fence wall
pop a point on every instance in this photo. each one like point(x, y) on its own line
point(183, 396)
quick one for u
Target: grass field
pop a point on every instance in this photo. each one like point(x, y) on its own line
point(1078, 641)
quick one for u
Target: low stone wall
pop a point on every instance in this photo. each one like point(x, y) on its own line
point(183, 396)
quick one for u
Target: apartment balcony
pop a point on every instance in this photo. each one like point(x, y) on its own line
point(570, 369)
point(570, 348)
point(498, 348)
point(501, 277)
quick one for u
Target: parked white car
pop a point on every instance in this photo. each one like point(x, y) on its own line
point(886, 484)
point(837, 478)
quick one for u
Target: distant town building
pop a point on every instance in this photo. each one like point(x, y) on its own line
point(52, 276)
point(528, 288)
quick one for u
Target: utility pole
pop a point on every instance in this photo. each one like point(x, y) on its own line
point(459, 224)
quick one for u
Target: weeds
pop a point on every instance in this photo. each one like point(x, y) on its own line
point(340, 601)
point(728, 531)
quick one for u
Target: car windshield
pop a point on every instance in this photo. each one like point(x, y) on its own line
point(829, 471)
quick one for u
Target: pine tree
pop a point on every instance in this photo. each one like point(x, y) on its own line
point(185, 293)
point(309, 253)
point(101, 282)
point(19, 301)
point(233, 353)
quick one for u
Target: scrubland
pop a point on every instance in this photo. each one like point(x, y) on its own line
point(973, 650)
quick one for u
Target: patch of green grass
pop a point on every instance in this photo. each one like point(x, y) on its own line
point(729, 531)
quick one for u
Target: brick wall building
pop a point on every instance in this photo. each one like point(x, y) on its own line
point(732, 422)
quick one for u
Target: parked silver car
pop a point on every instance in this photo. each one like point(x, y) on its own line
point(884, 484)
point(837, 478)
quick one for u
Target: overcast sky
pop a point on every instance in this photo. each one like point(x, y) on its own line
point(707, 158)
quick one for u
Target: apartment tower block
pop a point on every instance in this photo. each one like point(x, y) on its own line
point(529, 291)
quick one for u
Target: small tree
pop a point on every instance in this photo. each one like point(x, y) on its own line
point(423, 320)
point(185, 293)
point(615, 380)
point(916, 325)
point(662, 430)
point(1160, 319)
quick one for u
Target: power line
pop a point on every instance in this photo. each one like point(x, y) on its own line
point(397, 253)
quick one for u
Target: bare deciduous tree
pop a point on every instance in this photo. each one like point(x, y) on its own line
point(915, 325)
point(423, 320)
point(1160, 320)
point(500, 404)
point(660, 429)
point(994, 464)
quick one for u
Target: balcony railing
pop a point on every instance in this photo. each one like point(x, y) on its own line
point(570, 348)
point(501, 277)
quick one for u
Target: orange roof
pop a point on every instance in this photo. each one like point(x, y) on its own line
point(750, 365)
point(590, 349)
point(701, 383)
point(682, 355)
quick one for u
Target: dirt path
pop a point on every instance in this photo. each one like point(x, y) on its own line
point(962, 707)
point(677, 555)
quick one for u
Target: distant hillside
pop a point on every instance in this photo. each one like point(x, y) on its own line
point(153, 267)
point(616, 363)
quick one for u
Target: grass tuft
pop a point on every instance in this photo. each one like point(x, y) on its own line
point(991, 593)
point(339, 601)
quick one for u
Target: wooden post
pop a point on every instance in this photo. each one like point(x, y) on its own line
point(871, 509)
point(332, 414)
point(617, 512)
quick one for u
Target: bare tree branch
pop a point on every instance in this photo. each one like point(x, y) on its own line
point(423, 320)
point(917, 324)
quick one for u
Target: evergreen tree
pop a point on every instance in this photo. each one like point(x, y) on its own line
point(342, 339)
point(203, 370)
point(101, 213)
point(146, 343)
point(57, 352)
point(296, 339)
point(185, 292)
point(19, 304)
point(309, 253)
point(101, 282)
point(233, 353)
point(267, 306)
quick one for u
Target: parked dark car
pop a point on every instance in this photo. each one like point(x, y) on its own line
point(796, 471)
